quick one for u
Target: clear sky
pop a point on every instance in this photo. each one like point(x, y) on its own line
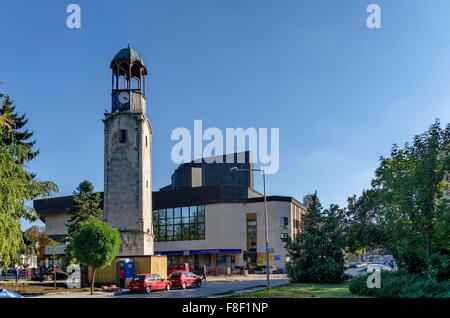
point(340, 93)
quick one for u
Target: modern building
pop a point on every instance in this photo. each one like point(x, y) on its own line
point(209, 215)
point(206, 215)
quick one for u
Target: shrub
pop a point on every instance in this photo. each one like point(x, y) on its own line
point(358, 286)
point(426, 289)
point(401, 285)
point(440, 267)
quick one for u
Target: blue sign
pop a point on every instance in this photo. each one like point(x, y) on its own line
point(263, 246)
point(201, 252)
point(219, 251)
point(169, 253)
point(271, 250)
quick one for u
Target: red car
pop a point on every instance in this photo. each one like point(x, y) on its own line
point(185, 279)
point(177, 267)
point(148, 282)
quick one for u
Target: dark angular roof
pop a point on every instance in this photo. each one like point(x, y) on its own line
point(174, 198)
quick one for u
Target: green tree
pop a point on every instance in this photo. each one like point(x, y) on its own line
point(17, 135)
point(10, 239)
point(17, 183)
point(316, 253)
point(96, 245)
point(407, 209)
point(86, 207)
point(35, 241)
point(363, 224)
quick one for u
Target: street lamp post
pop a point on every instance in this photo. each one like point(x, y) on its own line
point(236, 169)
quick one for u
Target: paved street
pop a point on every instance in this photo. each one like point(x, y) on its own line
point(209, 288)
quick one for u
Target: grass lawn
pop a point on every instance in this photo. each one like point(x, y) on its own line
point(303, 290)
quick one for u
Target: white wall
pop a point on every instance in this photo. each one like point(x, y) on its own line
point(275, 210)
point(225, 228)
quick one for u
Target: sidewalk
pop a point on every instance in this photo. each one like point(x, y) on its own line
point(76, 295)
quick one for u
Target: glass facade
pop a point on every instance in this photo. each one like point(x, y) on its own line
point(179, 224)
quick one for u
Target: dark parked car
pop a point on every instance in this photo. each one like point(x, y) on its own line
point(391, 264)
point(37, 278)
point(262, 270)
point(351, 274)
point(13, 274)
point(347, 276)
point(351, 265)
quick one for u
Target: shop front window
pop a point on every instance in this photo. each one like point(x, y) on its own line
point(226, 260)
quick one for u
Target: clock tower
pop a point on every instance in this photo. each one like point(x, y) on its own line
point(128, 150)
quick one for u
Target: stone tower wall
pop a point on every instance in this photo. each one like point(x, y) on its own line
point(128, 192)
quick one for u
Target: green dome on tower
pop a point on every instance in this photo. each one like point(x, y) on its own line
point(129, 54)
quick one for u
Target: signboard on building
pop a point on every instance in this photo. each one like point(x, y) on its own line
point(261, 258)
point(262, 247)
point(263, 250)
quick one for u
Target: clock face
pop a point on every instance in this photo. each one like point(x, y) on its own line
point(124, 97)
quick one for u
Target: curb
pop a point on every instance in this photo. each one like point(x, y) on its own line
point(122, 292)
point(238, 292)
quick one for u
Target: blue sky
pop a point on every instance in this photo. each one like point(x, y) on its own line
point(340, 93)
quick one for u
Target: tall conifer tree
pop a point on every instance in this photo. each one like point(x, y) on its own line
point(16, 135)
point(86, 207)
point(17, 183)
point(316, 253)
